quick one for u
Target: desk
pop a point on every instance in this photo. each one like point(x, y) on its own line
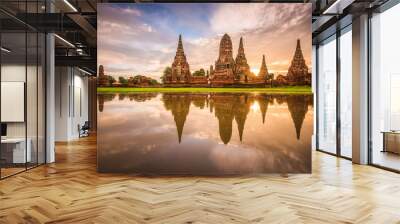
point(391, 141)
point(16, 147)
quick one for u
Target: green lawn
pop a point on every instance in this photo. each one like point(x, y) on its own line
point(274, 90)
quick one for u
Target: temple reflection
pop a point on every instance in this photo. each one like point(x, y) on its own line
point(199, 100)
point(223, 107)
point(263, 101)
point(229, 107)
point(141, 97)
point(179, 105)
point(298, 107)
point(137, 97)
point(226, 108)
point(101, 98)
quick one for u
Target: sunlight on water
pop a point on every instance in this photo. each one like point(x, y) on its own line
point(204, 133)
point(255, 107)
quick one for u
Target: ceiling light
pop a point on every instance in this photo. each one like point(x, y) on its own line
point(79, 51)
point(5, 50)
point(64, 40)
point(70, 5)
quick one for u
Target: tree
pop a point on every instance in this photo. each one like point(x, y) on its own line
point(200, 72)
point(269, 78)
point(122, 80)
point(167, 72)
point(131, 81)
point(111, 80)
point(153, 82)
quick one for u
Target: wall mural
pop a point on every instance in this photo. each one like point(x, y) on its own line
point(204, 89)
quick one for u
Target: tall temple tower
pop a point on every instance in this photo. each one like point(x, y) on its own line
point(180, 72)
point(298, 70)
point(263, 69)
point(225, 65)
point(242, 69)
point(103, 80)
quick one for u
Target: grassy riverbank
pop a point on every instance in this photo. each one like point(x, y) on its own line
point(276, 90)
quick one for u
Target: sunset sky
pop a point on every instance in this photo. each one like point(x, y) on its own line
point(142, 38)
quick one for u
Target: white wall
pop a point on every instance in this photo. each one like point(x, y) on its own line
point(80, 109)
point(13, 101)
point(13, 72)
point(71, 102)
point(62, 83)
point(16, 73)
point(33, 126)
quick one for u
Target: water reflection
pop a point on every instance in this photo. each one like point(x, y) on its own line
point(242, 123)
point(226, 107)
point(142, 97)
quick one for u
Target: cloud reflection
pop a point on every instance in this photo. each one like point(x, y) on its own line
point(204, 134)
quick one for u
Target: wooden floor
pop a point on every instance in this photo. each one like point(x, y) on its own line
point(71, 191)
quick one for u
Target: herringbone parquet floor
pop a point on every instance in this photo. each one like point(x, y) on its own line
point(71, 191)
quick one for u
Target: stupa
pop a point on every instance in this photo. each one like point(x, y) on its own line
point(180, 72)
point(298, 70)
point(225, 65)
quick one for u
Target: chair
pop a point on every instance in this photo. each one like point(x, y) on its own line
point(84, 130)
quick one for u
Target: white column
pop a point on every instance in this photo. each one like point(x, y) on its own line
point(50, 98)
point(360, 89)
point(63, 101)
point(314, 90)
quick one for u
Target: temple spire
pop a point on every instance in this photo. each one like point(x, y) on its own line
point(180, 45)
point(240, 129)
point(298, 109)
point(180, 71)
point(263, 65)
point(298, 54)
point(263, 69)
point(298, 70)
point(241, 48)
point(242, 68)
point(263, 107)
point(240, 117)
point(179, 128)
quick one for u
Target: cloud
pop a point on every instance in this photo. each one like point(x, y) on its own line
point(284, 62)
point(131, 11)
point(142, 38)
point(240, 18)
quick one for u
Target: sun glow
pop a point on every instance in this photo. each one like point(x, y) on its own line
point(255, 107)
point(255, 70)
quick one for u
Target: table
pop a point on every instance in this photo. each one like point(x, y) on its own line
point(16, 147)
